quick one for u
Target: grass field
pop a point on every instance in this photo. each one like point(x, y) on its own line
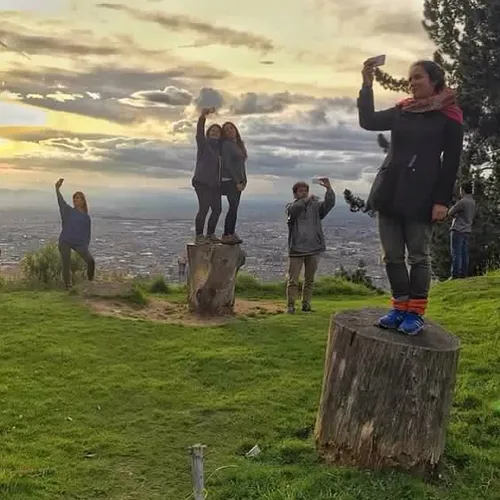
point(105, 408)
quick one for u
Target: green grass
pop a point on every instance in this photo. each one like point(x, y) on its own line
point(102, 408)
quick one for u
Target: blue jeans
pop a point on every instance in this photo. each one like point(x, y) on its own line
point(459, 246)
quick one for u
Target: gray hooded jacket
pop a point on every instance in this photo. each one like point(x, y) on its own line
point(233, 162)
point(305, 231)
point(208, 160)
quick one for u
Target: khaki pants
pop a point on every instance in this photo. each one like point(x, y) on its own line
point(310, 263)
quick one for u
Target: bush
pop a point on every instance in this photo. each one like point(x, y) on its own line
point(358, 276)
point(43, 266)
point(249, 286)
point(137, 296)
point(159, 285)
point(336, 285)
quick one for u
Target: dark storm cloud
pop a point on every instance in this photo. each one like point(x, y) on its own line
point(210, 34)
point(70, 43)
point(112, 93)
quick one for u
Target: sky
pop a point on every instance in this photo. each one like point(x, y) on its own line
point(106, 94)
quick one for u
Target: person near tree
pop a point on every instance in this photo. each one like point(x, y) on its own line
point(463, 213)
point(75, 233)
point(306, 240)
point(414, 186)
point(207, 178)
point(234, 178)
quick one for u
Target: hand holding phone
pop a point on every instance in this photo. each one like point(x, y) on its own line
point(376, 61)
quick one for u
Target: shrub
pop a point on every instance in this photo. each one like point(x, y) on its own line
point(43, 267)
point(336, 285)
point(250, 286)
point(137, 296)
point(159, 285)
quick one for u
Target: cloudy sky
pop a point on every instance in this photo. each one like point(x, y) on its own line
point(105, 94)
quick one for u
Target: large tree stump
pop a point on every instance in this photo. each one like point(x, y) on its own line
point(386, 396)
point(212, 277)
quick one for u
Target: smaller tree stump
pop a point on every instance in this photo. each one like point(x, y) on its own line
point(212, 278)
point(386, 396)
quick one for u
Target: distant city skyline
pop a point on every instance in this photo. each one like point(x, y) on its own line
point(106, 94)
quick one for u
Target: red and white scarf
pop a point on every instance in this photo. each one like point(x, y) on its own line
point(444, 101)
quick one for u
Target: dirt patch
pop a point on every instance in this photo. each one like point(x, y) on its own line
point(170, 312)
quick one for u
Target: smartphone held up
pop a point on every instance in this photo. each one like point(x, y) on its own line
point(376, 61)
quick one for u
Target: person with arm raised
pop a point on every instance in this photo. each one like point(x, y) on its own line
point(75, 233)
point(206, 178)
point(413, 187)
point(306, 240)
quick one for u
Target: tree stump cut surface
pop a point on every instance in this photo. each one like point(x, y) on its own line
point(386, 397)
point(212, 277)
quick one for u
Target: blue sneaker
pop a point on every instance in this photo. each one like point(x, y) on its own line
point(413, 324)
point(392, 320)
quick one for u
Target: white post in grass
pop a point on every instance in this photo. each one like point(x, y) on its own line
point(196, 453)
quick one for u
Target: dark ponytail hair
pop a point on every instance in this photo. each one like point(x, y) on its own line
point(435, 72)
point(239, 140)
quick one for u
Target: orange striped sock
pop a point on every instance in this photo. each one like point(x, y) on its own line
point(400, 305)
point(417, 306)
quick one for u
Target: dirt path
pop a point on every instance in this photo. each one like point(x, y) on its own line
point(176, 313)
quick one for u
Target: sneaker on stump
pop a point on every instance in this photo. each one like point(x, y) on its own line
point(413, 324)
point(392, 320)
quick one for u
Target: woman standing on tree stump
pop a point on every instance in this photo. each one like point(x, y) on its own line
point(206, 178)
point(414, 185)
point(234, 178)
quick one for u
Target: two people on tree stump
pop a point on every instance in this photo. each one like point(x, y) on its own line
point(220, 171)
point(414, 186)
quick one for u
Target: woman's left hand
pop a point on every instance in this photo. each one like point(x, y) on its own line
point(439, 212)
point(240, 187)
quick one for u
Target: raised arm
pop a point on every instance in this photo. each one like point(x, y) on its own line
point(63, 206)
point(200, 130)
point(327, 204)
point(452, 151)
point(369, 119)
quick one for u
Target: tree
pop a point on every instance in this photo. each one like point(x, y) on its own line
point(467, 37)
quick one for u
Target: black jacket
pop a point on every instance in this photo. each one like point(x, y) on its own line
point(208, 159)
point(421, 166)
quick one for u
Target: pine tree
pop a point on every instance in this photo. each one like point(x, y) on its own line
point(467, 37)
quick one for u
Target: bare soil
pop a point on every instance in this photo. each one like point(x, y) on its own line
point(163, 311)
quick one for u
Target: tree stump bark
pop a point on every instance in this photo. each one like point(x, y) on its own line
point(386, 397)
point(212, 278)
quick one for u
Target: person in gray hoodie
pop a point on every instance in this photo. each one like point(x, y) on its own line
point(463, 213)
point(306, 240)
point(234, 178)
point(207, 177)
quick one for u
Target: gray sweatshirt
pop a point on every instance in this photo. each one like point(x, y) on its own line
point(305, 231)
point(463, 213)
point(233, 162)
point(208, 161)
